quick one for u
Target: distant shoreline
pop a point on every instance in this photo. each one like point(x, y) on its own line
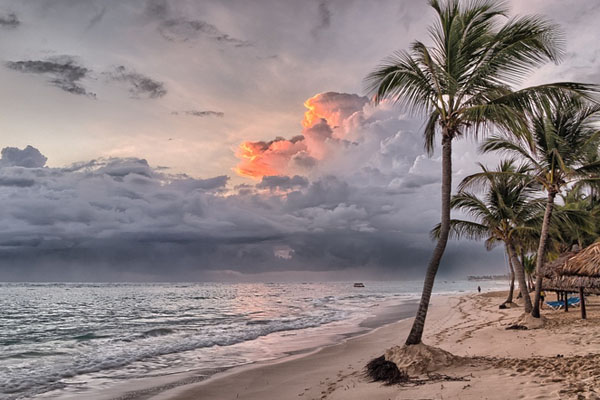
point(487, 277)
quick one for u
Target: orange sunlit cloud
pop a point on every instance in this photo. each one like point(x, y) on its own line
point(258, 159)
point(325, 113)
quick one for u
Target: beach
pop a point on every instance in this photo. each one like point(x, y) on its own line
point(558, 361)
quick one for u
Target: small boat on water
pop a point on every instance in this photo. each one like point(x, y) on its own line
point(359, 284)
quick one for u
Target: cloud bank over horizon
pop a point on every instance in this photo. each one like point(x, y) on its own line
point(363, 207)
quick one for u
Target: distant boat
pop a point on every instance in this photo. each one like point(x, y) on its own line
point(359, 284)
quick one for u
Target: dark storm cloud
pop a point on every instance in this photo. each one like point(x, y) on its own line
point(120, 217)
point(186, 184)
point(282, 182)
point(9, 20)
point(18, 182)
point(120, 167)
point(139, 85)
point(204, 113)
point(63, 72)
point(29, 157)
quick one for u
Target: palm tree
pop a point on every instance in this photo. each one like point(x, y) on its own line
point(561, 132)
point(580, 234)
point(505, 211)
point(462, 83)
point(528, 262)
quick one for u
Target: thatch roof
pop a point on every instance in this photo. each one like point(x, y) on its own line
point(572, 284)
point(586, 263)
point(574, 269)
point(554, 268)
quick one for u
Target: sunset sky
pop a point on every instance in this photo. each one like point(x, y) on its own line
point(226, 140)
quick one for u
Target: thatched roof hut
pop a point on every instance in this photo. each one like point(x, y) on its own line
point(585, 264)
point(554, 268)
point(575, 271)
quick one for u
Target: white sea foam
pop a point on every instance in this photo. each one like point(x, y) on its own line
point(53, 335)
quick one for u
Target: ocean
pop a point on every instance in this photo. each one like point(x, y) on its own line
point(122, 340)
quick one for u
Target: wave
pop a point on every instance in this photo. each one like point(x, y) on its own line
point(151, 343)
point(157, 332)
point(259, 322)
point(90, 336)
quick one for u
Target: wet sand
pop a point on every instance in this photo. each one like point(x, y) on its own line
point(560, 361)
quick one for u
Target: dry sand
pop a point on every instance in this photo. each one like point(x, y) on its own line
point(560, 361)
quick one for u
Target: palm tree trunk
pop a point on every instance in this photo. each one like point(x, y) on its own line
point(511, 289)
point(527, 274)
point(520, 272)
point(416, 333)
point(541, 253)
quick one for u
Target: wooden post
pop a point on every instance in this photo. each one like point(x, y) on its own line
point(582, 303)
point(566, 301)
point(557, 295)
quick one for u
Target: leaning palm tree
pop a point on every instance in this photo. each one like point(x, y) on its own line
point(462, 82)
point(505, 211)
point(562, 131)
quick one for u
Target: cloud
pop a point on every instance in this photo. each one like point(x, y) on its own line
point(66, 73)
point(366, 204)
point(139, 85)
point(121, 167)
point(324, 20)
point(260, 159)
point(157, 9)
point(176, 28)
point(182, 29)
point(62, 71)
point(9, 20)
point(327, 125)
point(121, 218)
point(283, 252)
point(96, 18)
point(196, 113)
point(334, 108)
point(282, 182)
point(29, 157)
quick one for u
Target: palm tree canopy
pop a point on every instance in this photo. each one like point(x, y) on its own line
point(562, 136)
point(463, 81)
point(506, 209)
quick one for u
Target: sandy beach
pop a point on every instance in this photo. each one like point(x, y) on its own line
point(561, 360)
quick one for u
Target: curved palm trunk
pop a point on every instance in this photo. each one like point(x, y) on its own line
point(520, 272)
point(541, 253)
point(416, 333)
point(511, 289)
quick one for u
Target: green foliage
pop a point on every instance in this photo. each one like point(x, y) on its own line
point(507, 210)
point(462, 82)
point(562, 135)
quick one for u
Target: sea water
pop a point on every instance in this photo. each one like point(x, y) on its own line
point(61, 340)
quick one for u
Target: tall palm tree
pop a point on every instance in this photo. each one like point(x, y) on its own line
point(462, 82)
point(561, 132)
point(506, 209)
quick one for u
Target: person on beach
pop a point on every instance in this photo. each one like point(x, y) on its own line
point(542, 296)
point(479, 289)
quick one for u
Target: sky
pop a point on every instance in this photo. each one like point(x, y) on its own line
point(227, 140)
